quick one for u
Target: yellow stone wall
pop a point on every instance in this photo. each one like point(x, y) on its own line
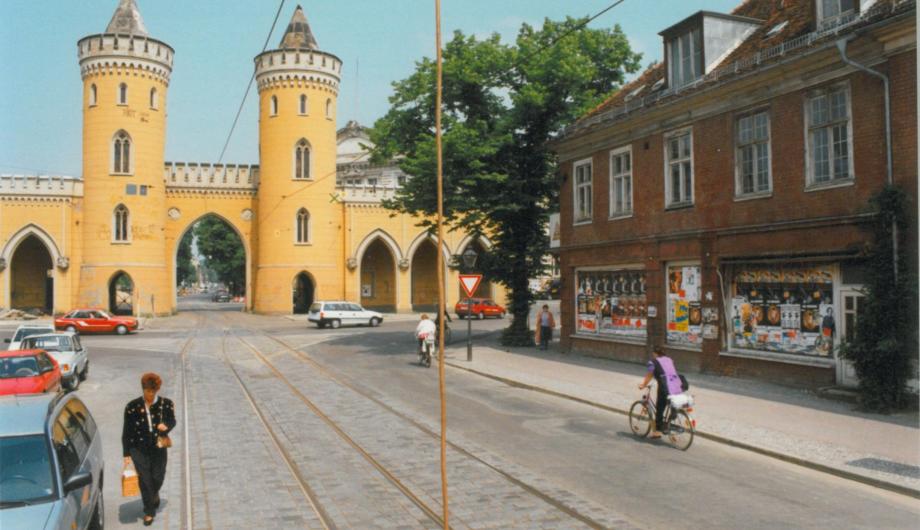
point(279, 257)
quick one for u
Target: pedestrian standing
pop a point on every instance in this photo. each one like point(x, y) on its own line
point(145, 439)
point(545, 325)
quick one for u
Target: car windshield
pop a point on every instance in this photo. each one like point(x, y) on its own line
point(25, 471)
point(11, 367)
point(52, 343)
point(28, 332)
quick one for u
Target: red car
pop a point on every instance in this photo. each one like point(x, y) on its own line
point(28, 372)
point(95, 321)
point(482, 308)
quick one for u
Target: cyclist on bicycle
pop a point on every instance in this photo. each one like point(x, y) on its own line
point(424, 328)
point(661, 367)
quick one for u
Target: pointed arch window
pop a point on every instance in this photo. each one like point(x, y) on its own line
point(92, 95)
point(121, 224)
point(303, 226)
point(123, 94)
point(121, 153)
point(274, 106)
point(154, 104)
point(329, 108)
point(302, 160)
point(303, 104)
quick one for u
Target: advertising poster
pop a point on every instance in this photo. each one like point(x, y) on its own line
point(612, 303)
point(787, 309)
point(685, 315)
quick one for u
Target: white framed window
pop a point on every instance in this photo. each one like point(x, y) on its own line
point(303, 104)
point(123, 94)
point(92, 95)
point(685, 58)
point(829, 138)
point(329, 108)
point(302, 228)
point(302, 160)
point(154, 104)
point(678, 183)
point(830, 11)
point(584, 195)
point(752, 154)
point(621, 203)
point(121, 224)
point(273, 106)
point(121, 153)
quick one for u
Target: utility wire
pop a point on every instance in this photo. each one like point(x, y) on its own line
point(249, 86)
point(570, 31)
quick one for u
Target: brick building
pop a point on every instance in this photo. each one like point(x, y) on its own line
point(718, 205)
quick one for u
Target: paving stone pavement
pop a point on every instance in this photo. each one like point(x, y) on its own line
point(480, 496)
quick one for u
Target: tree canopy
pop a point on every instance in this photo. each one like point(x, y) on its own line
point(502, 103)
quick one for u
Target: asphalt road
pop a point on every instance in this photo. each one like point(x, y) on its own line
point(558, 444)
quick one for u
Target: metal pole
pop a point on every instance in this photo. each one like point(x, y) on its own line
point(469, 329)
point(437, 128)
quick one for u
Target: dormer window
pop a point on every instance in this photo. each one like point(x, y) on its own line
point(685, 58)
point(830, 11)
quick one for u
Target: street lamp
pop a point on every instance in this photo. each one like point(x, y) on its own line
point(469, 261)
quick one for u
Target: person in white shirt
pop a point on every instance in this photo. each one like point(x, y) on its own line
point(425, 327)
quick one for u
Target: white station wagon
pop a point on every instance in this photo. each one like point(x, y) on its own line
point(336, 314)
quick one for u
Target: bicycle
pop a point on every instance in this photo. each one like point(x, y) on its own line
point(681, 426)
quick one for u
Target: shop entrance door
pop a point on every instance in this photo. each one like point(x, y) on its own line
point(852, 309)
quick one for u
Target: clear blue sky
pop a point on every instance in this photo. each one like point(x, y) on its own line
point(215, 41)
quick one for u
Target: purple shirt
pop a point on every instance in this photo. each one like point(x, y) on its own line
point(667, 374)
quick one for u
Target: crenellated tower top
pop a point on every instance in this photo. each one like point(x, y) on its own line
point(125, 44)
point(298, 59)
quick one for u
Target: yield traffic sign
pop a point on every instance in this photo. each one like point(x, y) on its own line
point(470, 283)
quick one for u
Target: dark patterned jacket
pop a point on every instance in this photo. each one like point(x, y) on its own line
point(135, 432)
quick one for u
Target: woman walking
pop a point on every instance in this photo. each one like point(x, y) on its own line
point(145, 439)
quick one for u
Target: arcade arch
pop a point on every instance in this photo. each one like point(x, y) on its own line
point(237, 287)
point(31, 255)
point(121, 294)
point(304, 292)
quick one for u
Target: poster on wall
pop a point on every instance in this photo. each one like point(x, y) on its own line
point(611, 303)
point(787, 309)
point(685, 316)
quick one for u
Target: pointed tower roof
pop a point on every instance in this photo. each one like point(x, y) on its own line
point(127, 19)
point(298, 34)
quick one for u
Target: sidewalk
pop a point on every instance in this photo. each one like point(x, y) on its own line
point(790, 424)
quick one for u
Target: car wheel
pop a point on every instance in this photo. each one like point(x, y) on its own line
point(481, 316)
point(121, 329)
point(72, 329)
point(85, 373)
point(375, 322)
point(335, 324)
point(97, 521)
point(74, 383)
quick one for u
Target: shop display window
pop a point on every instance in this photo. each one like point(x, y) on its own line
point(611, 303)
point(685, 316)
point(784, 309)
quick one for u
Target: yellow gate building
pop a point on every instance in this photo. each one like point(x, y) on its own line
point(309, 215)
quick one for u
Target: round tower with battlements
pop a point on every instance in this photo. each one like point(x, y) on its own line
point(300, 220)
point(125, 79)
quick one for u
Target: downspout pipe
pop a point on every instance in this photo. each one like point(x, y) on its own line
point(842, 47)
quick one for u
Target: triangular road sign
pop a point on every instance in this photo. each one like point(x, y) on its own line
point(470, 283)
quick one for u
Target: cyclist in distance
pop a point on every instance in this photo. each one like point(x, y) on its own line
point(424, 327)
point(661, 367)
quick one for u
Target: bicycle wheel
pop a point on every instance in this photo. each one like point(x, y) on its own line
point(640, 419)
point(681, 430)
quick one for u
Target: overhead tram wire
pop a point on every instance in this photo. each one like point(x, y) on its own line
point(249, 86)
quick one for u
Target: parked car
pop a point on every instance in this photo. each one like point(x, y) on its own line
point(67, 350)
point(51, 465)
point(24, 331)
point(335, 314)
point(95, 321)
point(482, 308)
point(28, 372)
point(221, 296)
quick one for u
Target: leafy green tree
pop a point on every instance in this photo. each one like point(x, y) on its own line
point(886, 334)
point(501, 104)
point(185, 269)
point(223, 252)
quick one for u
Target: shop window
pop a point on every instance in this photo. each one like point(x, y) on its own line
point(685, 316)
point(829, 143)
point(752, 155)
point(679, 178)
point(621, 182)
point(784, 309)
point(583, 191)
point(612, 303)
